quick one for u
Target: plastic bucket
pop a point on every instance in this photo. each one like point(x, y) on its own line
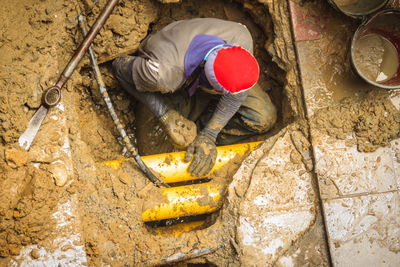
point(375, 49)
point(358, 8)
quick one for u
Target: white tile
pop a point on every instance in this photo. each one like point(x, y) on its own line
point(364, 230)
point(344, 171)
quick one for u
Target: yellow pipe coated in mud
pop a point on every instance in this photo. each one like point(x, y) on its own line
point(180, 201)
point(173, 169)
point(178, 229)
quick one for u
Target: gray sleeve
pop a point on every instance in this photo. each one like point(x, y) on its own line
point(227, 106)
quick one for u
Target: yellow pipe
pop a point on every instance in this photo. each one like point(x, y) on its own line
point(188, 200)
point(172, 168)
point(178, 229)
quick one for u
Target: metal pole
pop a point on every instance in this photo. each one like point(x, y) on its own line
point(80, 52)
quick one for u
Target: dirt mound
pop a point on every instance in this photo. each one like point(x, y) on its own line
point(374, 120)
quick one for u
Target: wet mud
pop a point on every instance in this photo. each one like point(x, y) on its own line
point(54, 174)
point(370, 122)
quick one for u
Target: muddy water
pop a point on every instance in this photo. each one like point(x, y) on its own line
point(345, 85)
point(376, 57)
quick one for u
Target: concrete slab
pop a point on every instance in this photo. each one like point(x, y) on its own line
point(360, 191)
point(265, 236)
point(310, 250)
point(279, 205)
point(364, 230)
point(281, 180)
point(344, 171)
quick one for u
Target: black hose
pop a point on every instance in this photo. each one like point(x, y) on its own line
point(131, 148)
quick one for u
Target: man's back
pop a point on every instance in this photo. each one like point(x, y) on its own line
point(163, 52)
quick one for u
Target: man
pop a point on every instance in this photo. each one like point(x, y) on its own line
point(185, 66)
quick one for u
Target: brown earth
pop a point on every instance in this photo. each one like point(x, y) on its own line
point(36, 41)
point(370, 122)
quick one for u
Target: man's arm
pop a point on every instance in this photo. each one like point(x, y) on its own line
point(227, 106)
point(203, 150)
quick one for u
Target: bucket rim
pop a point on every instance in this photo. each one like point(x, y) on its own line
point(359, 15)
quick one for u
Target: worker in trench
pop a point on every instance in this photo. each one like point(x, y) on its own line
point(200, 79)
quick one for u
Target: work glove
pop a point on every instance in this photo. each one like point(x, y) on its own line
point(180, 130)
point(205, 153)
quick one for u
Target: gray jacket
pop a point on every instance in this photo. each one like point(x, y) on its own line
point(160, 67)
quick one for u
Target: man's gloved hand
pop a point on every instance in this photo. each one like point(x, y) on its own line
point(180, 130)
point(205, 154)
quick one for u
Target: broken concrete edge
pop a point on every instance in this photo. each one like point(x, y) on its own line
point(301, 227)
point(286, 58)
point(230, 214)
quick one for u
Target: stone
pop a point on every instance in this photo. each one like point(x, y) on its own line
point(16, 157)
point(59, 173)
point(278, 206)
point(35, 253)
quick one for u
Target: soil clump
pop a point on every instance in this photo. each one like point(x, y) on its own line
point(373, 119)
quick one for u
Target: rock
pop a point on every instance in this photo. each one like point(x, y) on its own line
point(59, 173)
point(35, 253)
point(16, 157)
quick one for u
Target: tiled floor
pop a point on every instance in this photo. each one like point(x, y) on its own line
point(359, 191)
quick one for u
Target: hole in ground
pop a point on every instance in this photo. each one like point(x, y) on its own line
point(151, 139)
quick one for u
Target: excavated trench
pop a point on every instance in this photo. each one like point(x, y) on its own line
point(94, 211)
point(149, 136)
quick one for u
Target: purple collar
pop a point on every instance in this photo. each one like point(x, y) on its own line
point(201, 44)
